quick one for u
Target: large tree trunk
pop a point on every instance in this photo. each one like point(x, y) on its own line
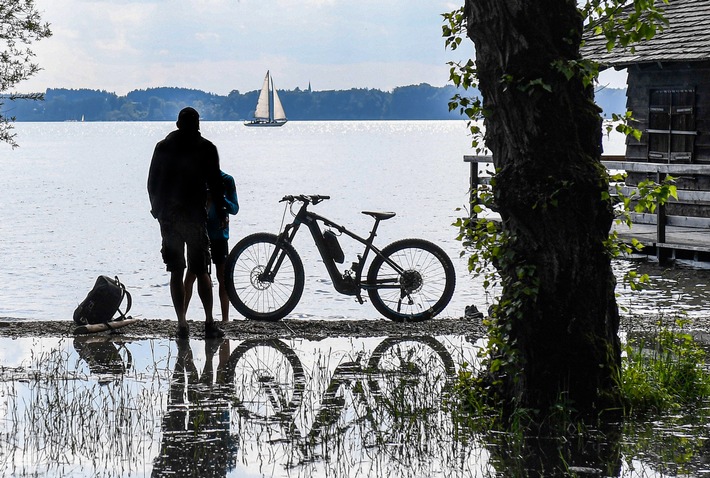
point(544, 132)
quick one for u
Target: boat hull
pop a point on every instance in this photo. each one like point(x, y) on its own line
point(265, 123)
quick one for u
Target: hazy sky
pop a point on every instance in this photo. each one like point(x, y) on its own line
point(224, 45)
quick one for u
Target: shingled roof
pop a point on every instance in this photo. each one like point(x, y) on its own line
point(685, 38)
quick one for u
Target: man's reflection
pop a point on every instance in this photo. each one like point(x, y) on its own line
point(196, 427)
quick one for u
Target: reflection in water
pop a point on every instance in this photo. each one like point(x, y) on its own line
point(196, 436)
point(671, 292)
point(59, 421)
point(367, 407)
point(103, 355)
point(577, 453)
point(261, 409)
point(367, 415)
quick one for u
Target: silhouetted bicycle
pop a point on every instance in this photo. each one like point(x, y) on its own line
point(408, 280)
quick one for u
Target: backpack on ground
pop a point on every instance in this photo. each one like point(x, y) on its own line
point(102, 302)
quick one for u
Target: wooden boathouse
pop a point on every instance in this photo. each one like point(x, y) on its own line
point(668, 94)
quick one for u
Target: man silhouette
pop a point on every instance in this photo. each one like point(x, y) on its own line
point(183, 167)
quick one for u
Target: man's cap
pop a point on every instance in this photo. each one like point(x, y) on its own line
point(188, 119)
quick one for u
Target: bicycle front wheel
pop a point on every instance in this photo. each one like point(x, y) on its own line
point(250, 292)
point(413, 280)
point(268, 380)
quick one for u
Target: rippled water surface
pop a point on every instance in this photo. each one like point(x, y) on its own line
point(74, 206)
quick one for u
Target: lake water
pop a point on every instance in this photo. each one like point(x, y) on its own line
point(74, 206)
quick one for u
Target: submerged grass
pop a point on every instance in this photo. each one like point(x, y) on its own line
point(59, 421)
point(664, 371)
point(665, 385)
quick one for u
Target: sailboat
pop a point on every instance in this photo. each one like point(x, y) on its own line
point(269, 111)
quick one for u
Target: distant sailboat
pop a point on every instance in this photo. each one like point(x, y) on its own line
point(269, 111)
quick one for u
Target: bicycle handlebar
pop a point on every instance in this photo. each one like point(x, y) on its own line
point(307, 198)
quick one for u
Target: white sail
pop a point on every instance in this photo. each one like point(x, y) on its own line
point(279, 113)
point(269, 110)
point(262, 106)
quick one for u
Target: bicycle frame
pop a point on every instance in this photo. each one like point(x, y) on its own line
point(348, 283)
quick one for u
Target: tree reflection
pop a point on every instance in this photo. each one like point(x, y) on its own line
point(574, 454)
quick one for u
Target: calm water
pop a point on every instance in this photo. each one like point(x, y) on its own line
point(292, 408)
point(74, 206)
point(74, 203)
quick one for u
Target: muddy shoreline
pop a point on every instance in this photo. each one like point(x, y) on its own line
point(250, 329)
point(307, 329)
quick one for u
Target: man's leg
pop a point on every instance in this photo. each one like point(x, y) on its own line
point(173, 252)
point(177, 292)
point(189, 282)
point(204, 290)
point(198, 259)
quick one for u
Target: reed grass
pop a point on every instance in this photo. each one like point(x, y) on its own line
point(665, 370)
point(61, 421)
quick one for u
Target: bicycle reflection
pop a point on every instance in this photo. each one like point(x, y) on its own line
point(384, 401)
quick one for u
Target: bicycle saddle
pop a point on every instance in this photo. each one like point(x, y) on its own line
point(380, 215)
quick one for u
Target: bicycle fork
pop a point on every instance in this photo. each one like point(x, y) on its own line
point(277, 257)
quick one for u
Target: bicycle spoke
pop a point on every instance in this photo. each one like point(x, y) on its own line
point(255, 293)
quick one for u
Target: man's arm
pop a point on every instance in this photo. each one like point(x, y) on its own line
point(153, 180)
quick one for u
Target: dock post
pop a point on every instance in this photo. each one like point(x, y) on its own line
point(473, 190)
point(662, 254)
point(661, 214)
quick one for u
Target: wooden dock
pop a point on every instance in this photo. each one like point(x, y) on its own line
point(666, 238)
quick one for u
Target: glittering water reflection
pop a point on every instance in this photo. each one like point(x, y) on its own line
point(101, 406)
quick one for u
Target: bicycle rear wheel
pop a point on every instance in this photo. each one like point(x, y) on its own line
point(423, 288)
point(249, 292)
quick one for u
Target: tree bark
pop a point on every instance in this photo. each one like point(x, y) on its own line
point(544, 132)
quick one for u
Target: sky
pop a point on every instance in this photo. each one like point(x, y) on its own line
point(223, 45)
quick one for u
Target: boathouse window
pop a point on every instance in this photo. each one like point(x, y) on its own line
point(671, 125)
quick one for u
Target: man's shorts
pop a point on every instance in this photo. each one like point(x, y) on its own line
point(219, 250)
point(177, 235)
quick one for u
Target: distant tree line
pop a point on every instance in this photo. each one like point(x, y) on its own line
point(421, 102)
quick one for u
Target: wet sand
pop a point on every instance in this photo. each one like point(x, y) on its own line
point(246, 329)
point(313, 329)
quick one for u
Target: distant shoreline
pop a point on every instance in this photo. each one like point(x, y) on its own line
point(415, 102)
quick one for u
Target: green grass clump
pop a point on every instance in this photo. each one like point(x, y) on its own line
point(664, 372)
